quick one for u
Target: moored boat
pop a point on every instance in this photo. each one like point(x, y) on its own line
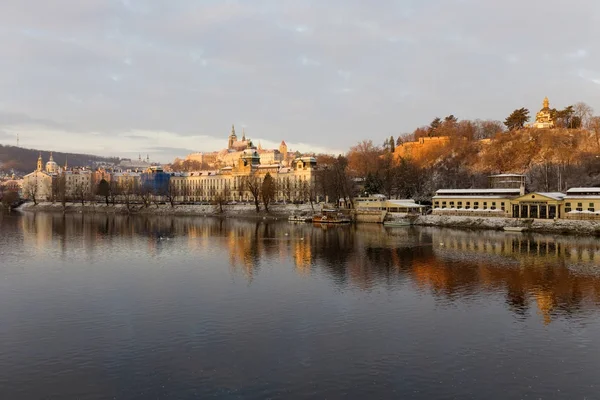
point(397, 222)
point(331, 217)
point(515, 228)
point(300, 218)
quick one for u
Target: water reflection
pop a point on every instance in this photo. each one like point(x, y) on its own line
point(554, 275)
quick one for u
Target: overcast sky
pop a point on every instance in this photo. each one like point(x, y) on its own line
point(122, 77)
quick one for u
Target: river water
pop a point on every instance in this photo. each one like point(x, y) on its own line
point(102, 307)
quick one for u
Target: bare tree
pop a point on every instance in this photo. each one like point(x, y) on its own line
point(268, 189)
point(584, 112)
point(172, 193)
point(127, 192)
point(31, 189)
point(61, 190)
point(308, 190)
point(594, 126)
point(114, 192)
point(144, 192)
point(222, 197)
point(252, 183)
point(287, 188)
point(81, 192)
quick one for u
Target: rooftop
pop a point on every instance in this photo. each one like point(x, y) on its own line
point(478, 191)
point(584, 190)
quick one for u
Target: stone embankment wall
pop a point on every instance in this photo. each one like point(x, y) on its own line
point(240, 210)
point(546, 226)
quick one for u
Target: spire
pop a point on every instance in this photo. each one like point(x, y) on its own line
point(243, 134)
point(546, 102)
point(39, 163)
point(147, 157)
point(51, 158)
point(232, 130)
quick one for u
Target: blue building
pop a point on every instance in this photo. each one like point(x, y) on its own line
point(156, 180)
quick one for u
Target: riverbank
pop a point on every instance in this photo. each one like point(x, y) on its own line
point(282, 211)
point(276, 211)
point(541, 226)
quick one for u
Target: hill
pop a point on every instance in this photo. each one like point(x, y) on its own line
point(23, 160)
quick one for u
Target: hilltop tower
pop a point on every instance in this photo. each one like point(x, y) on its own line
point(232, 138)
point(544, 118)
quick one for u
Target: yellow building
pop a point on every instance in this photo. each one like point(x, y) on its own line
point(538, 205)
point(293, 183)
point(474, 202)
point(544, 118)
point(38, 184)
point(582, 203)
point(78, 183)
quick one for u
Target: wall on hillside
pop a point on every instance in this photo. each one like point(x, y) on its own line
point(422, 149)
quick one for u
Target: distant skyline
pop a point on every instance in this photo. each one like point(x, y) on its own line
point(124, 77)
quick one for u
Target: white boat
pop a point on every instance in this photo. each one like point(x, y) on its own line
point(397, 223)
point(515, 228)
point(300, 218)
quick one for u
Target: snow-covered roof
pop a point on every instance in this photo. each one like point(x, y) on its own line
point(507, 176)
point(487, 210)
point(583, 190)
point(478, 191)
point(404, 203)
point(371, 197)
point(468, 197)
point(582, 196)
point(552, 195)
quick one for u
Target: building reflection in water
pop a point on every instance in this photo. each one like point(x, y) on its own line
point(555, 275)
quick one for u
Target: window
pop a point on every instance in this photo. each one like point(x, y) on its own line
point(460, 204)
point(567, 204)
point(591, 205)
point(437, 204)
point(451, 204)
point(502, 206)
point(443, 204)
point(567, 209)
point(579, 205)
point(493, 205)
point(591, 209)
point(484, 205)
point(475, 205)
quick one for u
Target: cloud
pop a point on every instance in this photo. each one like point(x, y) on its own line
point(579, 53)
point(328, 74)
point(307, 62)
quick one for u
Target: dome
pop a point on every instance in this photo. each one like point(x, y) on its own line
point(51, 166)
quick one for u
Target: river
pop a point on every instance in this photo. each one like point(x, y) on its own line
point(103, 307)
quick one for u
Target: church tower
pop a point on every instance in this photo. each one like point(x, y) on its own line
point(232, 138)
point(283, 149)
point(39, 163)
